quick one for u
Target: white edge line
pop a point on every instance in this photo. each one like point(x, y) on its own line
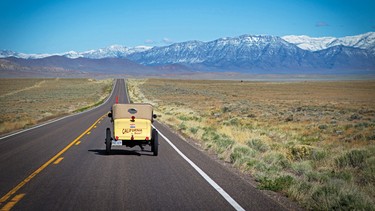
point(222, 192)
point(56, 120)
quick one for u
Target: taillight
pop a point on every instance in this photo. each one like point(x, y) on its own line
point(147, 138)
point(116, 138)
point(132, 138)
point(133, 118)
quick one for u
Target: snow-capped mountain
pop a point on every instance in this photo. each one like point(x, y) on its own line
point(114, 51)
point(364, 41)
point(246, 53)
point(265, 53)
point(8, 53)
point(237, 52)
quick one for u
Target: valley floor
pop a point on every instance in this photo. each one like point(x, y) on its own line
point(26, 102)
point(310, 140)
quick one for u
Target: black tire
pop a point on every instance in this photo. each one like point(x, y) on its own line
point(108, 141)
point(155, 142)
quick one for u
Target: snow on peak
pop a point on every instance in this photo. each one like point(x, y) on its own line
point(113, 51)
point(7, 53)
point(310, 43)
point(363, 41)
point(71, 54)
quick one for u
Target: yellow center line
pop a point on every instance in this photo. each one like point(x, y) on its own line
point(36, 172)
point(58, 160)
point(78, 142)
point(95, 126)
point(88, 133)
point(13, 202)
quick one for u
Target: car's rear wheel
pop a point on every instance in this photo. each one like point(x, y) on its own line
point(155, 142)
point(108, 141)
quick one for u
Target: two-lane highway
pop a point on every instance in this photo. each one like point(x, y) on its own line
point(63, 166)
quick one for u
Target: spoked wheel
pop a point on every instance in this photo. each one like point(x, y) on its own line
point(108, 141)
point(155, 142)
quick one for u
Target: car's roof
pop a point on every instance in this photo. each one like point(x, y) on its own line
point(138, 110)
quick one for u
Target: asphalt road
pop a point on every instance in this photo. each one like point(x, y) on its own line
point(63, 166)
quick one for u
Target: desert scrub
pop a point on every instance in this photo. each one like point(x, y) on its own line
point(242, 154)
point(336, 195)
point(305, 139)
point(276, 184)
point(26, 102)
point(258, 145)
point(353, 159)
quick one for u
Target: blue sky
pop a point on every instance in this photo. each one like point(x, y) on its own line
point(49, 26)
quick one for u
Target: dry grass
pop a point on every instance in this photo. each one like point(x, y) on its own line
point(313, 141)
point(25, 102)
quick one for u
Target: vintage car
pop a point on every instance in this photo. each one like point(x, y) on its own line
point(132, 126)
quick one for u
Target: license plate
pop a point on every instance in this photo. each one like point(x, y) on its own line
point(116, 143)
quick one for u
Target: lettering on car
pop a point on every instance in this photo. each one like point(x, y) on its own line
point(136, 131)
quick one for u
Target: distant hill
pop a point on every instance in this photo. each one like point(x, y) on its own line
point(260, 54)
point(62, 66)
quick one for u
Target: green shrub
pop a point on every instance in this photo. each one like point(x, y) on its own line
point(331, 197)
point(317, 154)
point(301, 168)
point(368, 173)
point(225, 109)
point(193, 130)
point(353, 201)
point(277, 160)
point(308, 140)
point(354, 117)
point(299, 152)
point(343, 175)
point(240, 153)
point(258, 145)
point(370, 137)
point(219, 142)
point(209, 134)
point(182, 126)
point(359, 137)
point(325, 197)
point(183, 118)
point(278, 184)
point(188, 118)
point(232, 122)
point(260, 166)
point(300, 191)
point(323, 127)
point(315, 176)
point(223, 143)
point(251, 163)
point(354, 158)
point(362, 125)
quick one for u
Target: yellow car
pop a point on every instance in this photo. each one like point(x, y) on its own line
point(132, 127)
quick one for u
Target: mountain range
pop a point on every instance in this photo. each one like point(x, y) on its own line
point(261, 54)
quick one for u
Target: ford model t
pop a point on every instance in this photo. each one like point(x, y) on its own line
point(132, 127)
